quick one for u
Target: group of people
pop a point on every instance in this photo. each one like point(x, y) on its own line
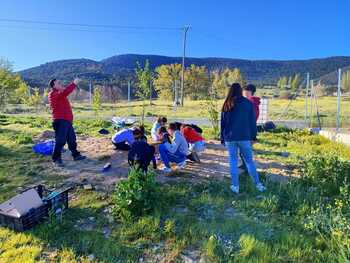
point(172, 143)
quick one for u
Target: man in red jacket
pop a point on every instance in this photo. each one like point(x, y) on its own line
point(62, 120)
point(248, 92)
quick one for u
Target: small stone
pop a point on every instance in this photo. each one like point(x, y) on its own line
point(187, 259)
point(190, 256)
point(285, 154)
point(110, 219)
point(106, 232)
point(229, 212)
point(91, 257)
point(100, 188)
point(180, 209)
point(87, 187)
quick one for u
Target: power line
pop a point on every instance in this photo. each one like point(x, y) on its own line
point(23, 21)
point(74, 29)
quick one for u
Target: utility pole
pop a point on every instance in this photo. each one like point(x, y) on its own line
point(150, 92)
point(90, 92)
point(338, 101)
point(129, 97)
point(176, 95)
point(185, 30)
point(129, 91)
point(307, 97)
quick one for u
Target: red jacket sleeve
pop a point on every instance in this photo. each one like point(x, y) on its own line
point(68, 90)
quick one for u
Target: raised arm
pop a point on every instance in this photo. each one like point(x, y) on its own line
point(68, 90)
point(173, 147)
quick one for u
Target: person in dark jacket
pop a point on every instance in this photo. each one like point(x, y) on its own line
point(238, 131)
point(62, 116)
point(141, 153)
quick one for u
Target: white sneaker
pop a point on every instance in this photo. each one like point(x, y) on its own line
point(260, 187)
point(166, 169)
point(235, 189)
point(181, 165)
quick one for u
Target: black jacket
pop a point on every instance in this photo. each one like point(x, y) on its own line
point(141, 153)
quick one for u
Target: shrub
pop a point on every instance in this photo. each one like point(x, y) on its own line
point(211, 109)
point(332, 226)
point(252, 250)
point(213, 249)
point(285, 95)
point(97, 101)
point(136, 196)
point(328, 172)
point(22, 139)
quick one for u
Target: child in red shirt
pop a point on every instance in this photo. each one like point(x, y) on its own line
point(195, 141)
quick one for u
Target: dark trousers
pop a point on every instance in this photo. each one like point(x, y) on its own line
point(64, 133)
point(123, 146)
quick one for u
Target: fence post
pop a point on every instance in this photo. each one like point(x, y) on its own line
point(311, 101)
point(338, 101)
point(307, 98)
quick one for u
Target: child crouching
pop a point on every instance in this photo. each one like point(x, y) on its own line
point(141, 153)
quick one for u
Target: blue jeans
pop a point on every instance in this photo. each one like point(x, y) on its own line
point(197, 146)
point(168, 157)
point(245, 148)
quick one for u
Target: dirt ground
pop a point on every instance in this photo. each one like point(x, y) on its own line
point(99, 151)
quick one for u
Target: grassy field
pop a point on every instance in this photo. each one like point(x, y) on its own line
point(196, 109)
point(193, 220)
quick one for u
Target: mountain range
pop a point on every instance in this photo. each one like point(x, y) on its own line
point(122, 67)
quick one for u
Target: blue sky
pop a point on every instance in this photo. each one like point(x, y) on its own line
point(247, 29)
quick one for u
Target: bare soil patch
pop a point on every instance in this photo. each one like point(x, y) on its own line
point(99, 151)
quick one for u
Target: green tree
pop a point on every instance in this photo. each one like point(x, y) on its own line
point(223, 79)
point(213, 113)
point(295, 82)
point(345, 81)
point(282, 83)
point(34, 99)
point(166, 77)
point(22, 93)
point(235, 75)
point(143, 83)
point(197, 82)
point(9, 83)
point(97, 100)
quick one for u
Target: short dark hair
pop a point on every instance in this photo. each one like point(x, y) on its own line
point(138, 132)
point(162, 119)
point(162, 130)
point(250, 87)
point(178, 125)
point(173, 126)
point(52, 83)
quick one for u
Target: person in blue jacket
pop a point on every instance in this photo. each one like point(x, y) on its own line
point(238, 132)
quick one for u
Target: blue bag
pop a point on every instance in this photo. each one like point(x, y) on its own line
point(44, 148)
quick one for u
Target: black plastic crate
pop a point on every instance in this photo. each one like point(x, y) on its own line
point(54, 202)
point(32, 218)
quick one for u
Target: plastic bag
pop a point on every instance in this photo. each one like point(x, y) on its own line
point(44, 148)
